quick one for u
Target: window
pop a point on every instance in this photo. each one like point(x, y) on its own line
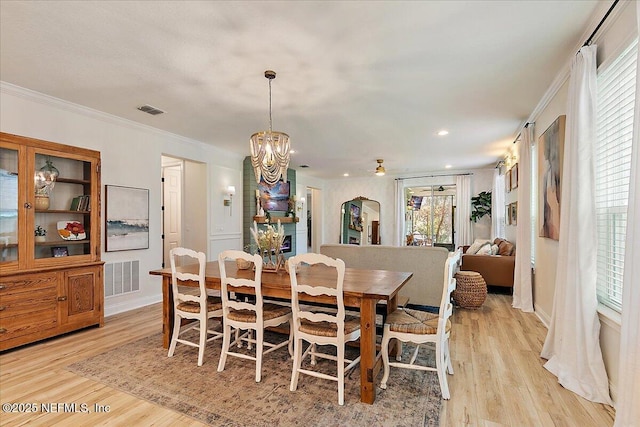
point(614, 133)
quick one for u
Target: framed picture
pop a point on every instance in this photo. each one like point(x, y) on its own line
point(59, 251)
point(507, 214)
point(514, 177)
point(126, 218)
point(274, 198)
point(514, 213)
point(507, 181)
point(355, 222)
point(550, 155)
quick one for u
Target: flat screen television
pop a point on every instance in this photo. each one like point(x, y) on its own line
point(274, 198)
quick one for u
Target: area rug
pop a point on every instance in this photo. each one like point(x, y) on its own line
point(233, 398)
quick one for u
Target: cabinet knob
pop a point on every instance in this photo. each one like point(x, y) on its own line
point(62, 298)
point(2, 286)
point(28, 205)
point(2, 308)
point(2, 330)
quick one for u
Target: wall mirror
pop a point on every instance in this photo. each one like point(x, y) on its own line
point(360, 222)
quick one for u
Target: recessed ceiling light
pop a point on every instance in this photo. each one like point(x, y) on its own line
point(443, 132)
point(447, 166)
point(345, 174)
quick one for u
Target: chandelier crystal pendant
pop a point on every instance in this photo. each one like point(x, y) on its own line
point(270, 150)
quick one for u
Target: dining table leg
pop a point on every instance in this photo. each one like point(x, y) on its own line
point(167, 311)
point(367, 350)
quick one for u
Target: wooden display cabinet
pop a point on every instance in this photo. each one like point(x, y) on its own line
point(52, 284)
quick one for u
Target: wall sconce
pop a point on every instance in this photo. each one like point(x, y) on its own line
point(230, 191)
point(300, 205)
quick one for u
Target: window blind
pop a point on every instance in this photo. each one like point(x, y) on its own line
point(614, 134)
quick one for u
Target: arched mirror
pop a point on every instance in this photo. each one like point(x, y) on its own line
point(360, 222)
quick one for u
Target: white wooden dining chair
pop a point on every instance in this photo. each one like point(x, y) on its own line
point(252, 315)
point(192, 302)
point(421, 327)
point(321, 328)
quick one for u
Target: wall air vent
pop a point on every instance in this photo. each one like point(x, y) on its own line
point(151, 110)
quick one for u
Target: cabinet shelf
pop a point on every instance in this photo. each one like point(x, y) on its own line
point(73, 181)
point(62, 211)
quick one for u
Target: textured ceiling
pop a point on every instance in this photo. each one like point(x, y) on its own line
point(356, 80)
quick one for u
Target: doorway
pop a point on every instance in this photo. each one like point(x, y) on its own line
point(314, 219)
point(183, 185)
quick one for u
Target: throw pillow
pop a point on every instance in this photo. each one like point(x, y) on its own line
point(506, 248)
point(484, 249)
point(473, 249)
point(494, 249)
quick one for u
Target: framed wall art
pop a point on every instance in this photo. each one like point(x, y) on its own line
point(514, 177)
point(275, 198)
point(126, 218)
point(513, 213)
point(550, 156)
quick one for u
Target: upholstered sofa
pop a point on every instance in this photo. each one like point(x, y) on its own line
point(426, 264)
point(496, 264)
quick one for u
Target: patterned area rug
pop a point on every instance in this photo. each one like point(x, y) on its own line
point(233, 398)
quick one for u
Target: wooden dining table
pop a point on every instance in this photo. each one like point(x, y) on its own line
point(362, 289)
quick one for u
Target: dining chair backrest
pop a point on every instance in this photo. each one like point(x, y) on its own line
point(449, 285)
point(232, 284)
point(182, 255)
point(299, 312)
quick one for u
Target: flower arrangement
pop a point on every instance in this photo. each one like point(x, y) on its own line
point(73, 227)
point(269, 244)
point(39, 231)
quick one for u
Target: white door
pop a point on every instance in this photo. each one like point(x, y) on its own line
point(172, 218)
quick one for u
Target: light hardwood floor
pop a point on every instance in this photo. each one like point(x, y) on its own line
point(499, 379)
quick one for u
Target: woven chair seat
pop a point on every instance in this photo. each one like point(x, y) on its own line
point(415, 322)
point(329, 329)
point(213, 304)
point(269, 311)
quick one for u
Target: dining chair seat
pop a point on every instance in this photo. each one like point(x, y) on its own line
point(269, 311)
point(415, 322)
point(213, 303)
point(329, 329)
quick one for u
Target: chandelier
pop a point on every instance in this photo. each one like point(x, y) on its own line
point(270, 150)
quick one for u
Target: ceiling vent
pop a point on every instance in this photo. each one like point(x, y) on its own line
point(151, 110)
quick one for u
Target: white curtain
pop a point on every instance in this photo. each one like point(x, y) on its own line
point(522, 289)
point(627, 405)
point(399, 213)
point(464, 233)
point(497, 206)
point(572, 345)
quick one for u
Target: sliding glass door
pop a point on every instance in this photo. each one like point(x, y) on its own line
point(429, 216)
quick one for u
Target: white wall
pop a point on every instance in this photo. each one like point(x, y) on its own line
point(131, 156)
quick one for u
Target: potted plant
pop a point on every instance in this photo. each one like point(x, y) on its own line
point(481, 205)
point(40, 234)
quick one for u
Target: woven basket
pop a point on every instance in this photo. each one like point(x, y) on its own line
point(471, 290)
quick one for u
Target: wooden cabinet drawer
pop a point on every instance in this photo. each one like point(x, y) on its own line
point(27, 305)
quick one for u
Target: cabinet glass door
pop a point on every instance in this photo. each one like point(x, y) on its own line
point(8, 205)
point(62, 207)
